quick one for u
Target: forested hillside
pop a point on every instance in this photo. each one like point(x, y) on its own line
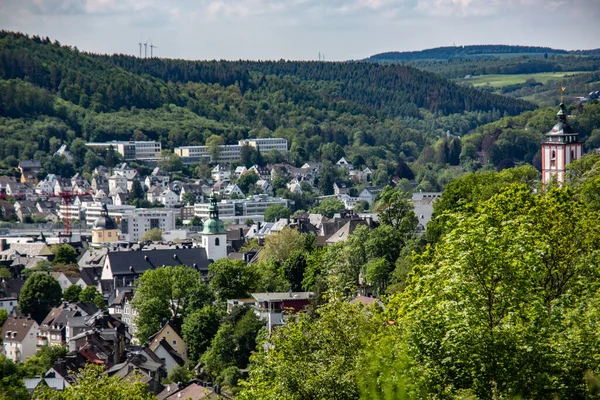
point(458, 62)
point(462, 52)
point(52, 94)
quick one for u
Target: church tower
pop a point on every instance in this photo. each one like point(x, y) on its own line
point(214, 237)
point(561, 148)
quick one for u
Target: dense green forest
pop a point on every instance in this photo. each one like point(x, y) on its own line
point(379, 115)
point(457, 62)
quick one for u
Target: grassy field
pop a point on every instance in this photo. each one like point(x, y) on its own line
point(497, 80)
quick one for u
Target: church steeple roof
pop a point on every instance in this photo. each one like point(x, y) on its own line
point(562, 127)
point(213, 224)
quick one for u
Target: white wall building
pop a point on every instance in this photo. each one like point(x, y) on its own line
point(138, 150)
point(230, 152)
point(19, 338)
point(135, 224)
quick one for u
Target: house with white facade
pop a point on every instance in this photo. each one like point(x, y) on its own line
point(19, 337)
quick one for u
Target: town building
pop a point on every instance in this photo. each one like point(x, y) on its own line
point(19, 336)
point(229, 153)
point(275, 308)
point(131, 151)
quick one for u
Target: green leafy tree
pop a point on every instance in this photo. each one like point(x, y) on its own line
point(179, 374)
point(485, 309)
point(396, 210)
point(43, 360)
point(328, 207)
point(93, 383)
point(198, 329)
point(137, 191)
point(64, 254)
point(72, 293)
point(196, 221)
point(39, 294)
point(246, 180)
point(233, 343)
point(11, 383)
point(3, 316)
point(5, 273)
point(314, 358)
point(163, 293)
point(189, 198)
point(152, 235)
point(231, 279)
point(214, 144)
point(293, 269)
point(276, 211)
point(88, 294)
point(170, 161)
point(279, 246)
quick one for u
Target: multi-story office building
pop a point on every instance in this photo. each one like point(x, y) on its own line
point(94, 211)
point(133, 225)
point(138, 150)
point(267, 144)
point(239, 210)
point(231, 152)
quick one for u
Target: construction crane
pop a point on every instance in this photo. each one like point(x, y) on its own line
point(66, 197)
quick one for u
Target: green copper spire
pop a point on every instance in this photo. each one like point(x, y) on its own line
point(213, 224)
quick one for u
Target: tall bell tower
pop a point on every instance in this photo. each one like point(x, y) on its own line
point(561, 147)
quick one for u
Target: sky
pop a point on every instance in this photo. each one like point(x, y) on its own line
point(301, 29)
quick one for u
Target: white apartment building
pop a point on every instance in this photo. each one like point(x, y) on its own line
point(238, 210)
point(137, 150)
point(230, 152)
point(93, 212)
point(19, 338)
point(134, 224)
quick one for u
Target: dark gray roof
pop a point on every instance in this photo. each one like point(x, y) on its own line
point(30, 164)
point(137, 262)
point(172, 352)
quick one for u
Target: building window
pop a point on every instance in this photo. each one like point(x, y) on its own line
point(216, 241)
point(572, 155)
point(174, 342)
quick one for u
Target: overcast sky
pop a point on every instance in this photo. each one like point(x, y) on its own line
point(300, 29)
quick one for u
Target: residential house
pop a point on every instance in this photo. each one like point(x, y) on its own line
point(275, 308)
point(19, 336)
point(62, 185)
point(154, 193)
point(294, 187)
point(239, 171)
point(264, 186)
point(169, 355)
point(220, 172)
point(115, 182)
point(160, 176)
point(233, 189)
point(340, 187)
point(20, 190)
point(100, 183)
point(144, 363)
point(169, 198)
point(29, 171)
point(345, 164)
point(125, 170)
point(172, 336)
point(190, 188)
point(369, 194)
point(64, 152)
point(53, 329)
point(121, 268)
